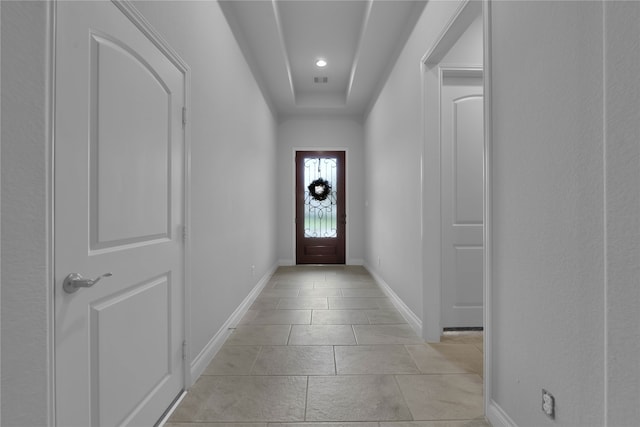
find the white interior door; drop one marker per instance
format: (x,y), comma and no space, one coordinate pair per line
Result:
(462,148)
(119,182)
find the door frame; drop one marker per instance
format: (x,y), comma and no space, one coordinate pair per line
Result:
(346,198)
(128,10)
(444,70)
(431,67)
(430,161)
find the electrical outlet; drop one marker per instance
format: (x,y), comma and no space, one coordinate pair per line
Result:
(548,404)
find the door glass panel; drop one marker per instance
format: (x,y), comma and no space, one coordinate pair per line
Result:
(320,213)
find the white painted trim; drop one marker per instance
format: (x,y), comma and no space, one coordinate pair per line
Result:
(497,416)
(346,199)
(355,261)
(202,360)
(283,47)
(488,212)
(459,22)
(363,30)
(188,245)
(50,176)
(457,25)
(286,262)
(411,318)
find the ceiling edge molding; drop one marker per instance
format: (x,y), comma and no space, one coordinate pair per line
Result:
(283,46)
(356,57)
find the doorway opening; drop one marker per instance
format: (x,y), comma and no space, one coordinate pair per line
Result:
(320,207)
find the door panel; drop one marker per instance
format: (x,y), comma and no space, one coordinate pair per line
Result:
(119,185)
(320,210)
(115,339)
(462,200)
(130,146)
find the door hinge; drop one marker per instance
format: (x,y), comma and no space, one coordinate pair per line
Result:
(184,350)
(184,117)
(184,233)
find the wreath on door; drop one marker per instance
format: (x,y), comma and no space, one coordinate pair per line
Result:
(319,189)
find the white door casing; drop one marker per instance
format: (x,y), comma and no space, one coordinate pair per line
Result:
(462,148)
(119,208)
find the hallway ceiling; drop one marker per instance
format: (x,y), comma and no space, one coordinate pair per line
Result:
(359,39)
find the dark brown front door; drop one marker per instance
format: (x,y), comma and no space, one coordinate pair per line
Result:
(320,207)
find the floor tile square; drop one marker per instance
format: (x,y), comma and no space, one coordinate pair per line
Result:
(279,293)
(303,303)
(293,285)
(295,360)
(353,303)
(442,397)
(281,317)
(462,337)
(466,357)
(243,399)
(363,293)
(356,424)
(323,292)
(322,335)
(248,317)
(230,424)
(355,398)
(476,422)
(374,359)
(265,303)
(339,317)
(233,360)
(386,334)
(385,303)
(343,284)
(385,316)
(430,361)
(259,335)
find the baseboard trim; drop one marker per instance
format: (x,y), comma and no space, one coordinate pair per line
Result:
(286,262)
(202,360)
(413,320)
(498,417)
(355,261)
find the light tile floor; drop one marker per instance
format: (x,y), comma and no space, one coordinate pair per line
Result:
(323,345)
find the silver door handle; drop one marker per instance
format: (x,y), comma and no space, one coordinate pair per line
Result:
(74,281)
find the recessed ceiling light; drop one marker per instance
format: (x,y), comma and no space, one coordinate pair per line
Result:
(321,63)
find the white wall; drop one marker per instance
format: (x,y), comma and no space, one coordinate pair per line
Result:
(233,154)
(393,151)
(622,136)
(233,149)
(321,133)
(548,288)
(566,233)
(25,262)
